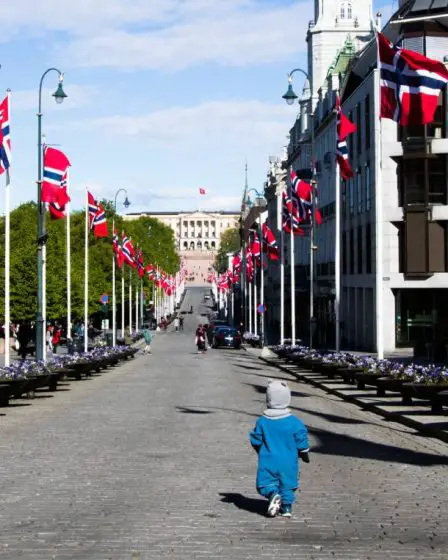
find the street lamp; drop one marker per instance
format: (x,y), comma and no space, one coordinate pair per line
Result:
(126,204)
(42,235)
(290,96)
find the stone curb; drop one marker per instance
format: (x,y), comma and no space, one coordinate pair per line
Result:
(309,377)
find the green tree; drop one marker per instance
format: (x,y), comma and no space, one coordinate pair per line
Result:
(229,243)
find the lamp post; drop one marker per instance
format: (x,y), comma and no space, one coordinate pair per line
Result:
(260,202)
(290,96)
(59,96)
(126,204)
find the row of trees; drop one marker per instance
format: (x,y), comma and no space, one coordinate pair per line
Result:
(229,243)
(155,239)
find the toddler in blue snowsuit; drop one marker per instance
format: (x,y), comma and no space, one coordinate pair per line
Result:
(279,438)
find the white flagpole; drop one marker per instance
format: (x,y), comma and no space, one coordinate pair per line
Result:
(142,318)
(136,306)
(86,276)
(293,288)
(261,286)
(114,295)
(254,306)
(122,301)
(282,268)
(7,268)
(7,255)
(250,305)
(69,265)
(337,260)
(130,301)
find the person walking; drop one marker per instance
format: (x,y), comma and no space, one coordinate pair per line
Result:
(49,337)
(176,324)
(280,439)
(147,335)
(56,338)
(24,336)
(181,323)
(200,339)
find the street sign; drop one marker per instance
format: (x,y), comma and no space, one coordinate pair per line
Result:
(104,299)
(261,308)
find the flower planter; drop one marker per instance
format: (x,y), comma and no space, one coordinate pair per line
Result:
(366,378)
(420,391)
(4,394)
(348,374)
(387,383)
(19,387)
(438,401)
(78,369)
(330,370)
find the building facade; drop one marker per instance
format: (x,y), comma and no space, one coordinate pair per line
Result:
(197,236)
(394,213)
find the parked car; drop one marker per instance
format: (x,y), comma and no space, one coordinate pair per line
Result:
(219,323)
(227,337)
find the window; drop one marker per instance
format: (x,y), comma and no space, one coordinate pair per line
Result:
(351,195)
(359,197)
(352,252)
(360,250)
(345,10)
(367,122)
(368,188)
(419,175)
(358,132)
(368,249)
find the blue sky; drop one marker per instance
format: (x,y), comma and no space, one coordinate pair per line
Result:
(165,96)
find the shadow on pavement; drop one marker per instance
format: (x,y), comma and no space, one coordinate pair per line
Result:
(330,417)
(186,410)
(349,446)
(252,505)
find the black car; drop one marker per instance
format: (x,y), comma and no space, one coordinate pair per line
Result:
(227,337)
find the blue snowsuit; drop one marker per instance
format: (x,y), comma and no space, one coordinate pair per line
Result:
(278,442)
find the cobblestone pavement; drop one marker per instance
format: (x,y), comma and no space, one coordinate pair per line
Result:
(151,460)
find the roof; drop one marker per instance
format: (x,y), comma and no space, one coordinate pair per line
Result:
(222,212)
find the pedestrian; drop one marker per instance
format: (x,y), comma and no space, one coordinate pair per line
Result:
(209,333)
(49,337)
(280,439)
(200,339)
(176,323)
(148,339)
(56,338)
(24,336)
(181,323)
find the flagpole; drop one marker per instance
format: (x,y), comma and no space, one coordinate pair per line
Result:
(250,305)
(261,285)
(141,303)
(114,295)
(282,268)
(86,276)
(130,301)
(122,301)
(136,305)
(69,265)
(254,302)
(337,260)
(7,267)
(293,286)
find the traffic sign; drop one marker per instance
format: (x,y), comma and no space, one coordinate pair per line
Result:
(104,299)
(261,308)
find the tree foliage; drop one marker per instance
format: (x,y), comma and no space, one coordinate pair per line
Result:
(230,242)
(155,239)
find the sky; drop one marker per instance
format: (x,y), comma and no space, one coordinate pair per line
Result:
(164,96)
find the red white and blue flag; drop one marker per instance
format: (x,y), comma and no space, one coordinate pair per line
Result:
(116,246)
(128,251)
(290,221)
(55,167)
(299,195)
(344,127)
(270,246)
(93,207)
(5,139)
(58,209)
(410,84)
(97,217)
(140,263)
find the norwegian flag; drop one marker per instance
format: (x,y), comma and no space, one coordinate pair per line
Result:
(116,245)
(128,251)
(5,139)
(150,272)
(270,246)
(344,127)
(140,263)
(255,247)
(249,265)
(202,191)
(290,221)
(410,84)
(304,192)
(236,267)
(58,209)
(99,224)
(55,167)
(93,208)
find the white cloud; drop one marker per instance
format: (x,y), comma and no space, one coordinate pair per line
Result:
(236,121)
(77,96)
(167,34)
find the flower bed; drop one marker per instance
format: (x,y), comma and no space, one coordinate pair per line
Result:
(251,339)
(368,370)
(24,377)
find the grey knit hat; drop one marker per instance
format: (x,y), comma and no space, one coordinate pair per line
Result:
(278,394)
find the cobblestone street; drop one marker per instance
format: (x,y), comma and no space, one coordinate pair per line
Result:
(151,460)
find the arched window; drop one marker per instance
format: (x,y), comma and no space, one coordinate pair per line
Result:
(213,244)
(345,10)
(185,244)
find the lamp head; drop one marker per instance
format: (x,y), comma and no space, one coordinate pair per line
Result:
(59,95)
(290,95)
(126,203)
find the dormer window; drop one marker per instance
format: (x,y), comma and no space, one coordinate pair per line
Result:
(345,10)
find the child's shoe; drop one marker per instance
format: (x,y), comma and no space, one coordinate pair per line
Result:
(274,505)
(286,511)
